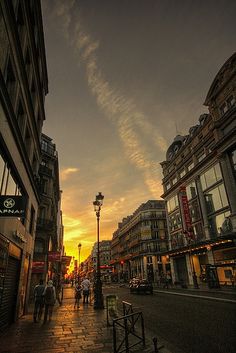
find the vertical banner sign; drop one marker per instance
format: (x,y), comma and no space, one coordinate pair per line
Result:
(186,213)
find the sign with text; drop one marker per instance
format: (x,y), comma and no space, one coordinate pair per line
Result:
(186,212)
(12,206)
(54,256)
(38,266)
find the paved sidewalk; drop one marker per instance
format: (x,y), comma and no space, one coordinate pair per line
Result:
(71,330)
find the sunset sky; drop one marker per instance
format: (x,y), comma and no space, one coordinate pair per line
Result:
(125,77)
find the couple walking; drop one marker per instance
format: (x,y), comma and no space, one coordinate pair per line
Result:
(84,288)
(44,297)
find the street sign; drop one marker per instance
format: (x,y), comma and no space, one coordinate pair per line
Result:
(38,266)
(54,256)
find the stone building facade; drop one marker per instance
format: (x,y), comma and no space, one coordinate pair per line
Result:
(105,259)
(139,242)
(23,86)
(200,190)
(48,248)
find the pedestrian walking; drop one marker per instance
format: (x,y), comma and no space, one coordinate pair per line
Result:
(58,289)
(78,295)
(86,290)
(49,300)
(38,300)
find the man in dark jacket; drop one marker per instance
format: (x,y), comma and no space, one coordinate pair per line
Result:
(38,300)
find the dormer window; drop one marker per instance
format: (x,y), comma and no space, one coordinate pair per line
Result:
(223,109)
(231,101)
(227,105)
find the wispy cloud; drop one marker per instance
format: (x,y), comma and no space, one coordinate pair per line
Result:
(65,173)
(132,125)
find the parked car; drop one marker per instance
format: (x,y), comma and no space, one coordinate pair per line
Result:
(140,286)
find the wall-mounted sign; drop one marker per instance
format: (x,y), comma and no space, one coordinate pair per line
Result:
(188,229)
(54,256)
(12,206)
(38,266)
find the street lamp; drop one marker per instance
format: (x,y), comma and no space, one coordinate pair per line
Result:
(79,249)
(98,296)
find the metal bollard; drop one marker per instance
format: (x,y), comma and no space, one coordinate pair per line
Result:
(155,344)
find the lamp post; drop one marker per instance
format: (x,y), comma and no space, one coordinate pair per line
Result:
(79,249)
(98,296)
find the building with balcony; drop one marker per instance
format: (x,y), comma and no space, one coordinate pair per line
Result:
(23,86)
(138,244)
(200,190)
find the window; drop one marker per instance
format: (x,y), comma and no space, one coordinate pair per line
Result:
(11,82)
(191,190)
(201,157)
(190,166)
(168,186)
(21,118)
(231,101)
(28,143)
(174,181)
(233,159)
(216,199)
(20,24)
(217,223)
(194,211)
(32,219)
(227,105)
(8,186)
(172,204)
(39,246)
(198,232)
(175,221)
(223,109)
(211,176)
(182,173)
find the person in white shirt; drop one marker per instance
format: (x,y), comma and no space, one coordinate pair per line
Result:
(85,284)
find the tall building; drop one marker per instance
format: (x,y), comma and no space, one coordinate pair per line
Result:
(200,190)
(105,258)
(49,232)
(23,86)
(138,243)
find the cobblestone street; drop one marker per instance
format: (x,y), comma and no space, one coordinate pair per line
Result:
(71,330)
